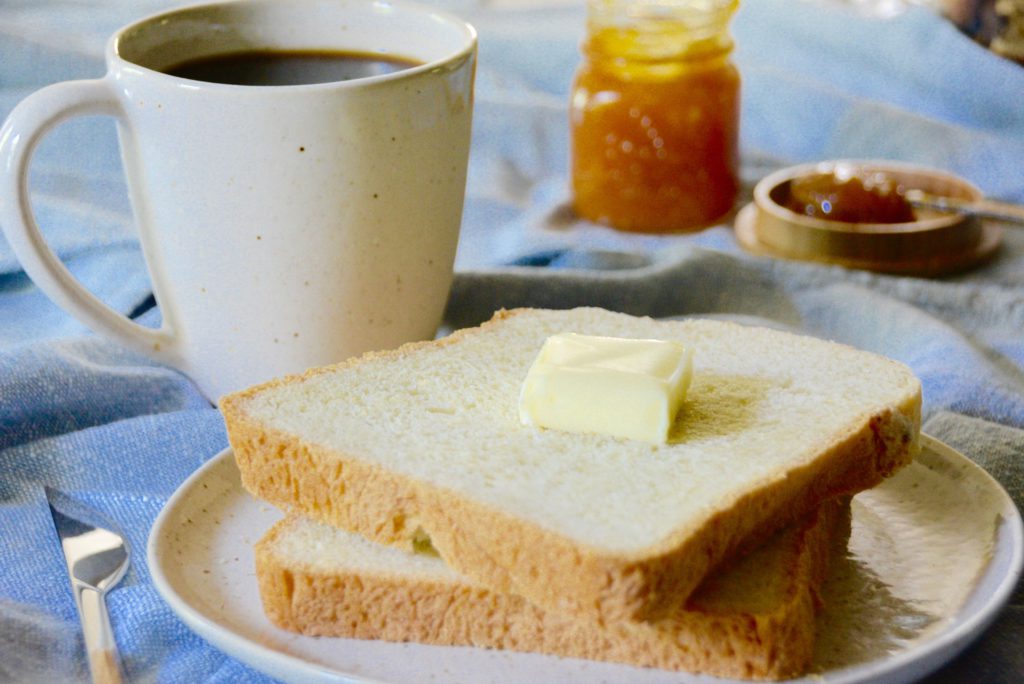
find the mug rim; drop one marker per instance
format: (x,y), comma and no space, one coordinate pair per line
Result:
(450,60)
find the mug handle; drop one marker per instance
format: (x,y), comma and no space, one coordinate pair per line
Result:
(27,124)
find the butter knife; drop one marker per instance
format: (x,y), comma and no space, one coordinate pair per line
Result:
(97,558)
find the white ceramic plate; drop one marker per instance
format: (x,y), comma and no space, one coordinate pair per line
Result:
(895,609)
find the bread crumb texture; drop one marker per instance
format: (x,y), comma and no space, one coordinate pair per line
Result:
(428,436)
(755,620)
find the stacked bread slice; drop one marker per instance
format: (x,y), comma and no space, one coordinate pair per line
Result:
(700,554)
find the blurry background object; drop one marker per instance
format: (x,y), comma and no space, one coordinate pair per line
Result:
(655,111)
(996,24)
(1009,41)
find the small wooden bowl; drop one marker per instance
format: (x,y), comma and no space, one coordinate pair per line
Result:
(935,244)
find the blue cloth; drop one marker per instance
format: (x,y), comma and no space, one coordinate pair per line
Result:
(121,432)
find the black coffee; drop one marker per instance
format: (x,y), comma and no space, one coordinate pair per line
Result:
(282,68)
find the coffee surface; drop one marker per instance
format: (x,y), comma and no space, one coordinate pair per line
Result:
(282,68)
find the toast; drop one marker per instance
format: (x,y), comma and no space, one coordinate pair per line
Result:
(425,441)
(755,620)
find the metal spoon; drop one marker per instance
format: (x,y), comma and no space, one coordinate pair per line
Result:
(984,208)
(97,558)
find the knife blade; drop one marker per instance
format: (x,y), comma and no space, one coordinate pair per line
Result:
(97,557)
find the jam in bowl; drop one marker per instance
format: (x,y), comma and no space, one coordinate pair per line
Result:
(855,214)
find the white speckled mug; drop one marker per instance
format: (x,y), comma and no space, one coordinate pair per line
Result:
(284,226)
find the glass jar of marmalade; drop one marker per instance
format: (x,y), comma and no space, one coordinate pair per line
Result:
(654,115)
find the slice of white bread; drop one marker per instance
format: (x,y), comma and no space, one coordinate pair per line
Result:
(754,619)
(427,438)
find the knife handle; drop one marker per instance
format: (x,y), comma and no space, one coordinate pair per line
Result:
(100,646)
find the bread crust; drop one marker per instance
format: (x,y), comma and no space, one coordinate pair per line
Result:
(764,643)
(510,555)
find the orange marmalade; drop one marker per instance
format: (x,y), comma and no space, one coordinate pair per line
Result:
(655,115)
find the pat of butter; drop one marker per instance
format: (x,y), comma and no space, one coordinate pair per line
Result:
(622,387)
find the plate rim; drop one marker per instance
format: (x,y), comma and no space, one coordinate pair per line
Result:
(241,648)
(950,642)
